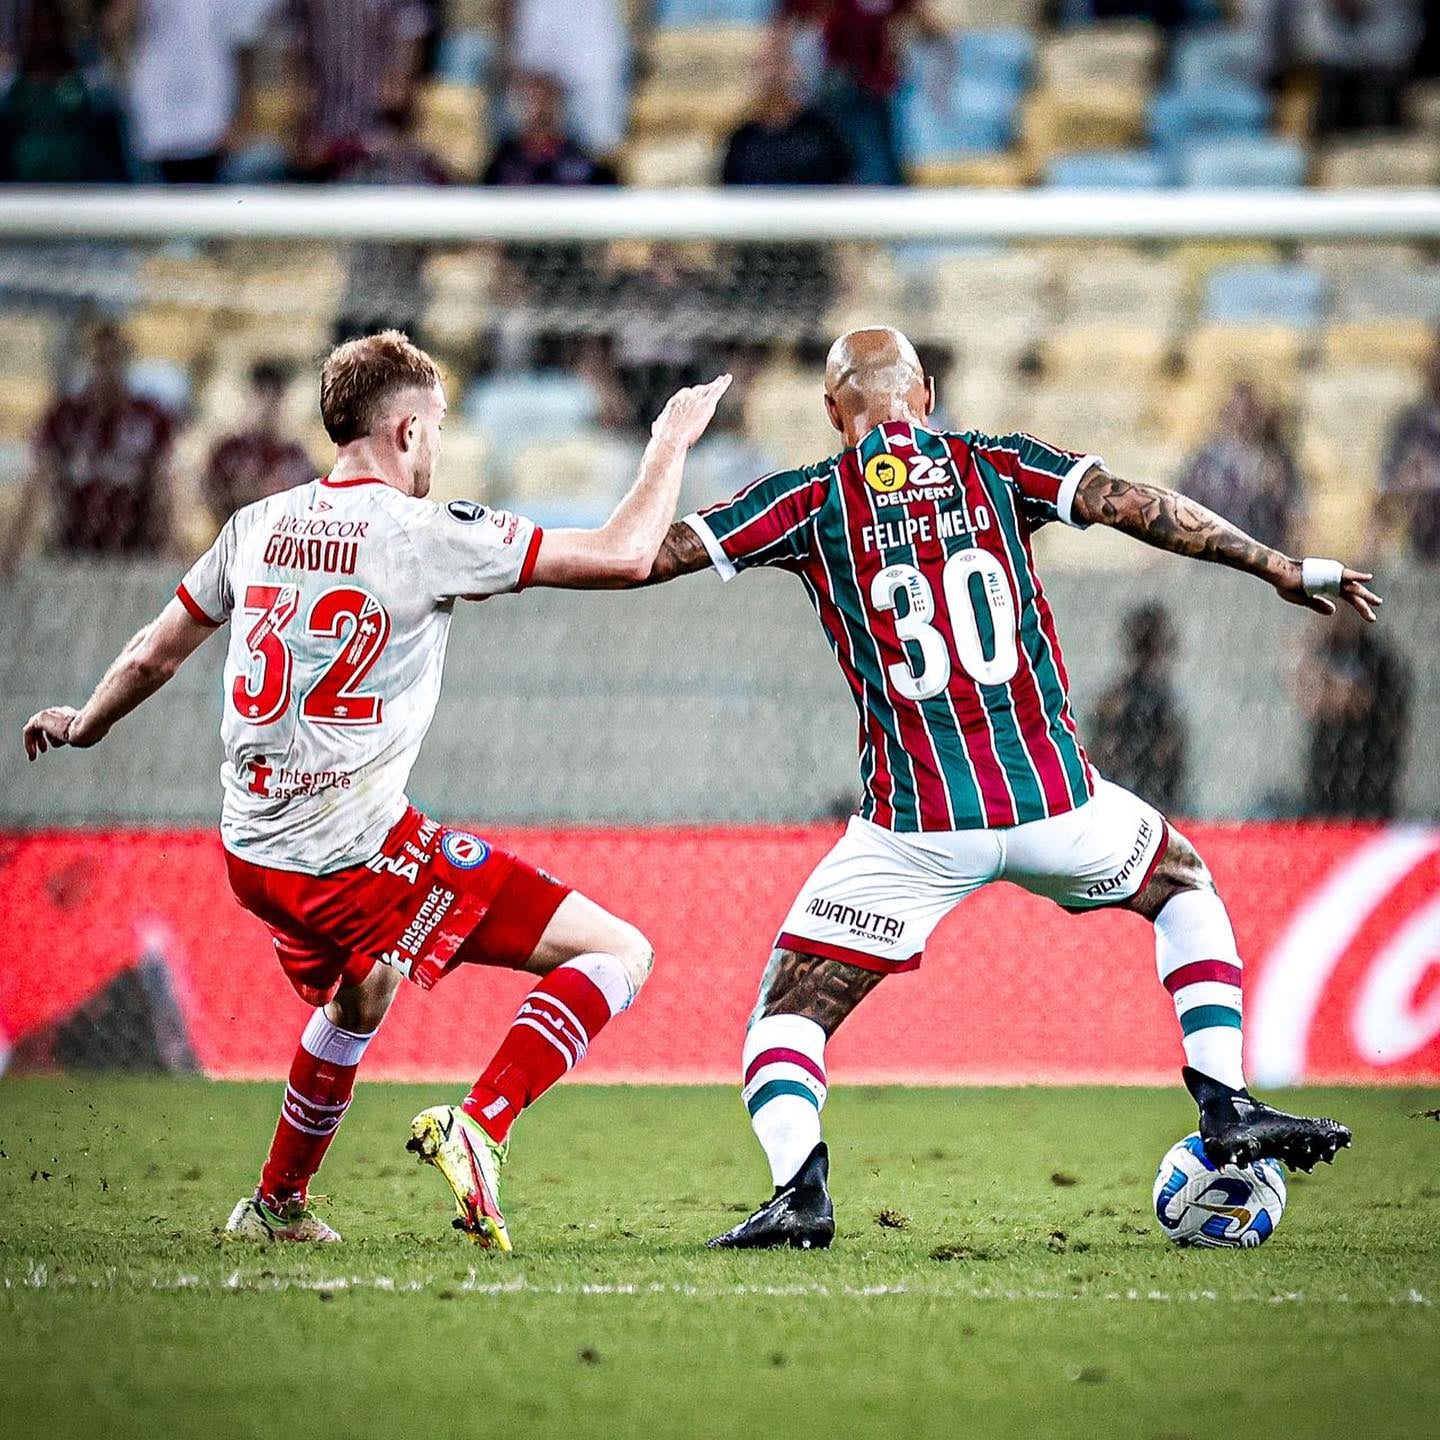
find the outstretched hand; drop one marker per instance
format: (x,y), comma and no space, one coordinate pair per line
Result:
(49,727)
(689,411)
(1353,591)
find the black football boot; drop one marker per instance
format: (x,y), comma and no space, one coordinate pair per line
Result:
(1237,1129)
(799,1214)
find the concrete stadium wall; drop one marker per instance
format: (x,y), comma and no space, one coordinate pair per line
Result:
(691,702)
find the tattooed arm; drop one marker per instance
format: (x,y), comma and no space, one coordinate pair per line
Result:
(681,553)
(1171,521)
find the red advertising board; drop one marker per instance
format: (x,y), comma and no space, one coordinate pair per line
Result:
(1339,927)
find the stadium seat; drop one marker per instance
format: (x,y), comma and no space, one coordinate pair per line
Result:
(784,416)
(1099,117)
(1004,172)
(23,401)
(454,126)
(165,382)
(1002,302)
(1422,106)
(1267,355)
(463,57)
(665,164)
(979,119)
(1380,161)
(571,481)
(1108,170)
(463,473)
(1407,291)
(1202,58)
(1290,295)
(673,13)
(1180,116)
(1121,53)
(1124,352)
(1246,162)
(179,333)
(1346,413)
(1003,56)
(1103,285)
(27,344)
(1395,341)
(539,406)
(958,15)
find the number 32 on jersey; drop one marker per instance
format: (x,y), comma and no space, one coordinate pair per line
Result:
(352,616)
(982,618)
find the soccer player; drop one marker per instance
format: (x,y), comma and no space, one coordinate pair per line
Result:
(914,548)
(339,595)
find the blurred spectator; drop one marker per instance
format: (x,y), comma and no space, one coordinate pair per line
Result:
(1247,472)
(259,460)
(58,123)
(1409,498)
(1137,733)
(785,142)
(385,285)
(1168,14)
(1355,692)
(541,151)
(862,42)
(101,464)
(662,310)
(585,45)
(1361,50)
(188,69)
(358,60)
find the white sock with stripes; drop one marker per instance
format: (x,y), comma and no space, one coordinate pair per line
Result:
(1199,965)
(784,1089)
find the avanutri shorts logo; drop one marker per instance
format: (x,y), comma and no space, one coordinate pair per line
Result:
(886,473)
(468,512)
(464,851)
(1111,883)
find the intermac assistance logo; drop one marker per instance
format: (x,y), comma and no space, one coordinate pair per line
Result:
(886,473)
(464,851)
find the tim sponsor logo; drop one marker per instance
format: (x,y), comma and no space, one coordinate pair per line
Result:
(1111,883)
(869,924)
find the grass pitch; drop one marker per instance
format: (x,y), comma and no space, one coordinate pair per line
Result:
(996,1274)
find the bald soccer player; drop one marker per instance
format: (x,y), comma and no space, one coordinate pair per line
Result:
(913,545)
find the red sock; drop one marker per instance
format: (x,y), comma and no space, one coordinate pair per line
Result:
(556,1023)
(322,1080)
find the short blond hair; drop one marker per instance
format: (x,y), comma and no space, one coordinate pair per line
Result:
(359,376)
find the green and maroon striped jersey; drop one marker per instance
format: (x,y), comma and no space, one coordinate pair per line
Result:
(914,547)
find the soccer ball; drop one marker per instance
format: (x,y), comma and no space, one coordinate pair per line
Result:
(1234,1205)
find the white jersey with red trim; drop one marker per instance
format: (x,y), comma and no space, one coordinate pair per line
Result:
(340,595)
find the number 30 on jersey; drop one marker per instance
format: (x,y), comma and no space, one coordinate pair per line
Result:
(981,610)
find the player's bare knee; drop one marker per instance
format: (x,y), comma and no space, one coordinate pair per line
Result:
(631,948)
(1179,870)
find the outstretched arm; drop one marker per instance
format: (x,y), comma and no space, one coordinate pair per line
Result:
(1171,521)
(142,667)
(622,552)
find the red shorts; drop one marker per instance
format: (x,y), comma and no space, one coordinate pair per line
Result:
(431,899)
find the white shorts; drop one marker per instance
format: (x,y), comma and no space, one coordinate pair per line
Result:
(874,900)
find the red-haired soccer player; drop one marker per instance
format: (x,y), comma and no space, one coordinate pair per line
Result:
(339,596)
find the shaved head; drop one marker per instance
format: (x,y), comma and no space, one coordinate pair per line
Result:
(874,375)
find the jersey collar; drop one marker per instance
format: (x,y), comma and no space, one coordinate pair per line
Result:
(354,480)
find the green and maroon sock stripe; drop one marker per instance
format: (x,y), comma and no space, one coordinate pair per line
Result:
(781,1056)
(1223,972)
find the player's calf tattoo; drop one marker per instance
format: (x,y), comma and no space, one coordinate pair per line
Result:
(825,991)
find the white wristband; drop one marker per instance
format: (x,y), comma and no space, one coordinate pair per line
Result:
(1321,577)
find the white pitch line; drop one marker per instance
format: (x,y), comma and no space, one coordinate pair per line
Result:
(38,1277)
